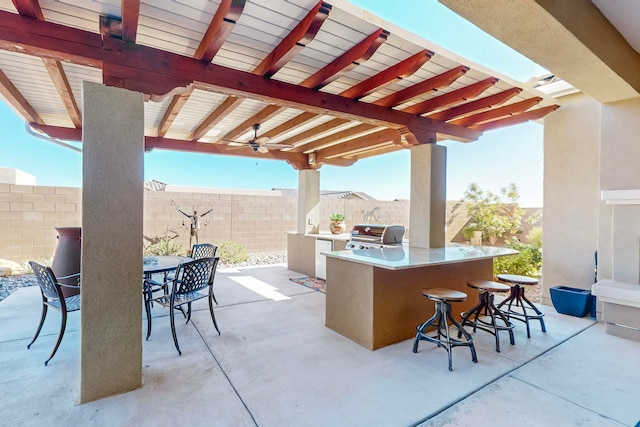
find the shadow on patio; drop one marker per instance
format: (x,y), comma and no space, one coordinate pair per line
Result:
(275,364)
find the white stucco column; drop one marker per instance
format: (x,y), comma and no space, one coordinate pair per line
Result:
(112,210)
(308,201)
(428,196)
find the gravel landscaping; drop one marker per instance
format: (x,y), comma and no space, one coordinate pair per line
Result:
(9,284)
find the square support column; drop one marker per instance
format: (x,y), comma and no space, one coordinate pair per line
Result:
(308,201)
(112,220)
(427,212)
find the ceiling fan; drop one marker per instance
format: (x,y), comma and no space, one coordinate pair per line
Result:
(262,144)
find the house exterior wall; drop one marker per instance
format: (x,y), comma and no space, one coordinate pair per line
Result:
(619,171)
(589,148)
(571,194)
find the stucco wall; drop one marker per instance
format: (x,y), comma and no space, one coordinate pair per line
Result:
(571,193)
(620,224)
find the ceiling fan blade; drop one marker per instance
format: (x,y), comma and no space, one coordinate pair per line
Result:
(262,140)
(276,145)
(263,149)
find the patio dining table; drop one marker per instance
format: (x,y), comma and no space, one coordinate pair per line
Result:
(161,264)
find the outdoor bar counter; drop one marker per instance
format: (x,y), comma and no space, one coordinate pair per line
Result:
(374,298)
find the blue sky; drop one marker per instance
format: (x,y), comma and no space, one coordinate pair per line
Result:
(513,154)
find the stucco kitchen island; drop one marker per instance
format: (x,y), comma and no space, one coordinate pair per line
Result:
(374,298)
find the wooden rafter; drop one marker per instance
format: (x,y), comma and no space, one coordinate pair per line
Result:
(362,143)
(518,118)
(30,8)
(130,13)
(172,111)
(219,29)
(452,97)
(290,46)
(313,132)
(398,71)
(347,61)
(221,111)
(57,74)
(298,120)
(498,113)
(442,80)
(477,105)
(153,71)
(58,132)
(375,152)
(19,103)
(295,41)
(264,115)
(335,138)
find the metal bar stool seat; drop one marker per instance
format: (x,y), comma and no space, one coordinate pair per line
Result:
(485,307)
(518,306)
(441,319)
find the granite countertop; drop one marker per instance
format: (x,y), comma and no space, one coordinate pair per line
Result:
(326,235)
(410,257)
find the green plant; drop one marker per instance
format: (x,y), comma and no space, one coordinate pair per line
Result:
(165,246)
(337,217)
(231,252)
(497,215)
(470,229)
(527,262)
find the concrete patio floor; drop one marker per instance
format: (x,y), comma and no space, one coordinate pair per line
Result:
(276,364)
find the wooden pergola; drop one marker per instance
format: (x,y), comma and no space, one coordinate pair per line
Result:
(322,81)
(327,83)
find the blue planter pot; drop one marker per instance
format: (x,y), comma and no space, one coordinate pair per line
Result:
(571,301)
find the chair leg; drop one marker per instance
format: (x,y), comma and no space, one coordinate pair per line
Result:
(63,325)
(188,312)
(173,329)
(147,307)
(44,314)
(213,316)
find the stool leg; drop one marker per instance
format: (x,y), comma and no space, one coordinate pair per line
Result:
(537,311)
(466,334)
(424,326)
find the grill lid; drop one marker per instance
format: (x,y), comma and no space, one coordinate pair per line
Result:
(377,233)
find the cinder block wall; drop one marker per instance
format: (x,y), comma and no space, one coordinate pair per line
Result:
(28,215)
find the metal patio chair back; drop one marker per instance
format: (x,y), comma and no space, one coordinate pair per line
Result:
(191,279)
(203,250)
(52,296)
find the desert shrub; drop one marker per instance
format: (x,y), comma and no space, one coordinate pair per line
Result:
(527,262)
(165,246)
(231,252)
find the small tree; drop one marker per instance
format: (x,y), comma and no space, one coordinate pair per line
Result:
(497,215)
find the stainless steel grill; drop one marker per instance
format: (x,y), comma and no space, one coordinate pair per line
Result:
(374,236)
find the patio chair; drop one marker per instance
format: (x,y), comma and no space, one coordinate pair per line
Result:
(52,296)
(204,250)
(191,278)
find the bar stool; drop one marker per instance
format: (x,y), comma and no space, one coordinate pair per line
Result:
(485,307)
(518,301)
(443,298)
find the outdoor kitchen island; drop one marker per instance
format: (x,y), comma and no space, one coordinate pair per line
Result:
(374,298)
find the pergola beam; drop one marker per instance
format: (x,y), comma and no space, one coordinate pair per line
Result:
(498,113)
(156,72)
(295,41)
(19,102)
(434,83)
(477,105)
(518,118)
(347,61)
(398,71)
(467,92)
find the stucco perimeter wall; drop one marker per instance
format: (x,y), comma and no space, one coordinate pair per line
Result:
(571,193)
(28,215)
